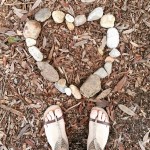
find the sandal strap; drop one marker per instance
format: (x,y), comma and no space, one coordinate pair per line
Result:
(101,122)
(52,121)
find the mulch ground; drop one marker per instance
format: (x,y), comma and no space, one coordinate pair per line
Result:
(24,94)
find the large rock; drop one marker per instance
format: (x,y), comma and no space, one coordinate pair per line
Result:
(48,71)
(43,14)
(112,37)
(91,86)
(32,29)
(30,42)
(114,53)
(75,91)
(101,72)
(61,85)
(96,14)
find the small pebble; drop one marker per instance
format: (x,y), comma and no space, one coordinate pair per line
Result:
(30,42)
(114,53)
(43,14)
(70,25)
(61,85)
(101,72)
(69,18)
(109,59)
(32,29)
(107,21)
(68,91)
(91,86)
(112,37)
(108,67)
(75,91)
(80,20)
(35,53)
(96,14)
(58,16)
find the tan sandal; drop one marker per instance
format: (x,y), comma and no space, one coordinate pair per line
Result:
(98,129)
(55,128)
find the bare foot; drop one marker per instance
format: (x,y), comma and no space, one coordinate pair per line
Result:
(98,129)
(55,128)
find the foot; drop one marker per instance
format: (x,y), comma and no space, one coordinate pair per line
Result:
(55,128)
(98,129)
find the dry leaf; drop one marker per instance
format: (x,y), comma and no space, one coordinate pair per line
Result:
(36,4)
(102,103)
(146,137)
(104,94)
(146,23)
(2,2)
(101,48)
(126,110)
(80,43)
(120,84)
(141,145)
(128,31)
(134,44)
(44,42)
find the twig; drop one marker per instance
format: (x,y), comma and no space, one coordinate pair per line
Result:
(17,4)
(73,107)
(16,112)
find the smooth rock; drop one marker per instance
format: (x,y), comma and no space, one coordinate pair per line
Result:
(32,29)
(30,42)
(87,1)
(80,20)
(60,85)
(114,53)
(58,16)
(75,91)
(91,86)
(112,37)
(48,72)
(109,59)
(108,67)
(70,25)
(96,14)
(107,21)
(35,53)
(101,72)
(69,18)
(43,14)
(68,91)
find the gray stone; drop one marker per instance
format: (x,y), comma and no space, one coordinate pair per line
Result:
(101,72)
(48,72)
(43,14)
(91,86)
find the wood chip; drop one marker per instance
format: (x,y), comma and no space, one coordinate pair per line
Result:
(126,110)
(120,84)
(104,94)
(16,112)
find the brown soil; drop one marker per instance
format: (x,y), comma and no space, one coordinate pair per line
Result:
(23,89)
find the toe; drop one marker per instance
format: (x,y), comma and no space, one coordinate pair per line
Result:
(51,114)
(93,114)
(58,113)
(100,116)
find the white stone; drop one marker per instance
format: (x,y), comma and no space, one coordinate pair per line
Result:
(96,14)
(101,72)
(70,25)
(69,18)
(58,16)
(30,42)
(80,20)
(32,29)
(107,21)
(61,85)
(87,1)
(112,37)
(75,91)
(35,53)
(43,14)
(114,53)
(68,91)
(108,67)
